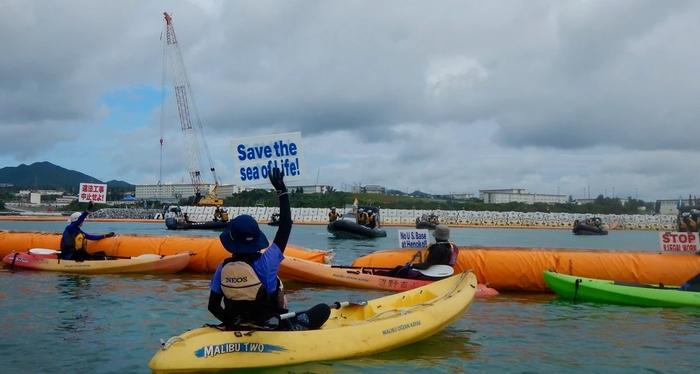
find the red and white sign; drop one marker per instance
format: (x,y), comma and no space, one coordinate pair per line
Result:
(678,241)
(92,192)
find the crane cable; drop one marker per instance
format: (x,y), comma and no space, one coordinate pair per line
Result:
(162,107)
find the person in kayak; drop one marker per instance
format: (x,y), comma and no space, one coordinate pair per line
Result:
(74,239)
(442,252)
(253,295)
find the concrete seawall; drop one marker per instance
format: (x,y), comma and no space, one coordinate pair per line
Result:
(406,217)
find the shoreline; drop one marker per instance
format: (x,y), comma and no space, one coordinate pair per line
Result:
(162,222)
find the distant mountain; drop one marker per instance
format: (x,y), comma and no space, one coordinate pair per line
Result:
(120,185)
(420,194)
(47,175)
(395,192)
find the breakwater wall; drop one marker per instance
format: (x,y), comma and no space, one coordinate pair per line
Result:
(121,213)
(407,217)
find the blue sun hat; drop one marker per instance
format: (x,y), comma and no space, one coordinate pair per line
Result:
(243,235)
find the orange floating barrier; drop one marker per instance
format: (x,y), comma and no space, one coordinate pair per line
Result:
(208,250)
(521,269)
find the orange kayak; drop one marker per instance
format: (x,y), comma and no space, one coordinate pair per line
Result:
(358,277)
(148,263)
(208,250)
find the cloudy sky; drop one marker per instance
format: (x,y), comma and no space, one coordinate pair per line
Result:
(448,96)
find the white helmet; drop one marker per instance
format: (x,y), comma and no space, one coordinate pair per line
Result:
(74,217)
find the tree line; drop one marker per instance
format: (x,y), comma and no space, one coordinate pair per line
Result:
(601,205)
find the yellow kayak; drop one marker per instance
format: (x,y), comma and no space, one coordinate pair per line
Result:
(356,330)
(148,263)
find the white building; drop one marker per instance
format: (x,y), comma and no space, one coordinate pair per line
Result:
(65,200)
(457,196)
(519,195)
(668,207)
(316,188)
(25,193)
(181,191)
(582,201)
(35,198)
(370,188)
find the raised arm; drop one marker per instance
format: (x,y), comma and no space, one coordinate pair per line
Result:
(76,224)
(285,220)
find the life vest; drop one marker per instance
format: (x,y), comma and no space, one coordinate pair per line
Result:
(332,216)
(245,295)
(74,242)
(442,253)
(239,281)
(363,218)
(80,242)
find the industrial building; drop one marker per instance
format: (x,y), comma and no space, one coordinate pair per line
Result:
(181,191)
(519,195)
(370,188)
(315,188)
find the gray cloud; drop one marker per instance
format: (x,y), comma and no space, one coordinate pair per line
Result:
(473,95)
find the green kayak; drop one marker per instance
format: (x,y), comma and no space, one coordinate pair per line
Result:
(622,293)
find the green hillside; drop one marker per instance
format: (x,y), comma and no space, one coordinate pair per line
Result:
(46,175)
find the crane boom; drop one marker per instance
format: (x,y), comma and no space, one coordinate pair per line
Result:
(186,110)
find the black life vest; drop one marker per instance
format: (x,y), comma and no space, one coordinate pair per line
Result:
(245,297)
(442,253)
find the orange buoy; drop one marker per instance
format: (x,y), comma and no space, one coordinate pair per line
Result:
(521,269)
(208,250)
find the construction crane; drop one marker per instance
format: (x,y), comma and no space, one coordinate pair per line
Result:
(186,109)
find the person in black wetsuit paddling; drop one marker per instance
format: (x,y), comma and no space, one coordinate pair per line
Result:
(74,240)
(247,282)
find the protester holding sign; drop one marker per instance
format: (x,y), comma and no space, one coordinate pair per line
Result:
(247,282)
(442,252)
(74,239)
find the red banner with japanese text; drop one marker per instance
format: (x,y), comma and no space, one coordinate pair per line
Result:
(94,192)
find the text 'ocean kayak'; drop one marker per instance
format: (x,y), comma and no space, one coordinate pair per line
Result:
(380,325)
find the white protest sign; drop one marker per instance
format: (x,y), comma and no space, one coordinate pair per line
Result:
(94,192)
(254,158)
(413,238)
(678,241)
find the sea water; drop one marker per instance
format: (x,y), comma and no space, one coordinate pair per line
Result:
(52,322)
